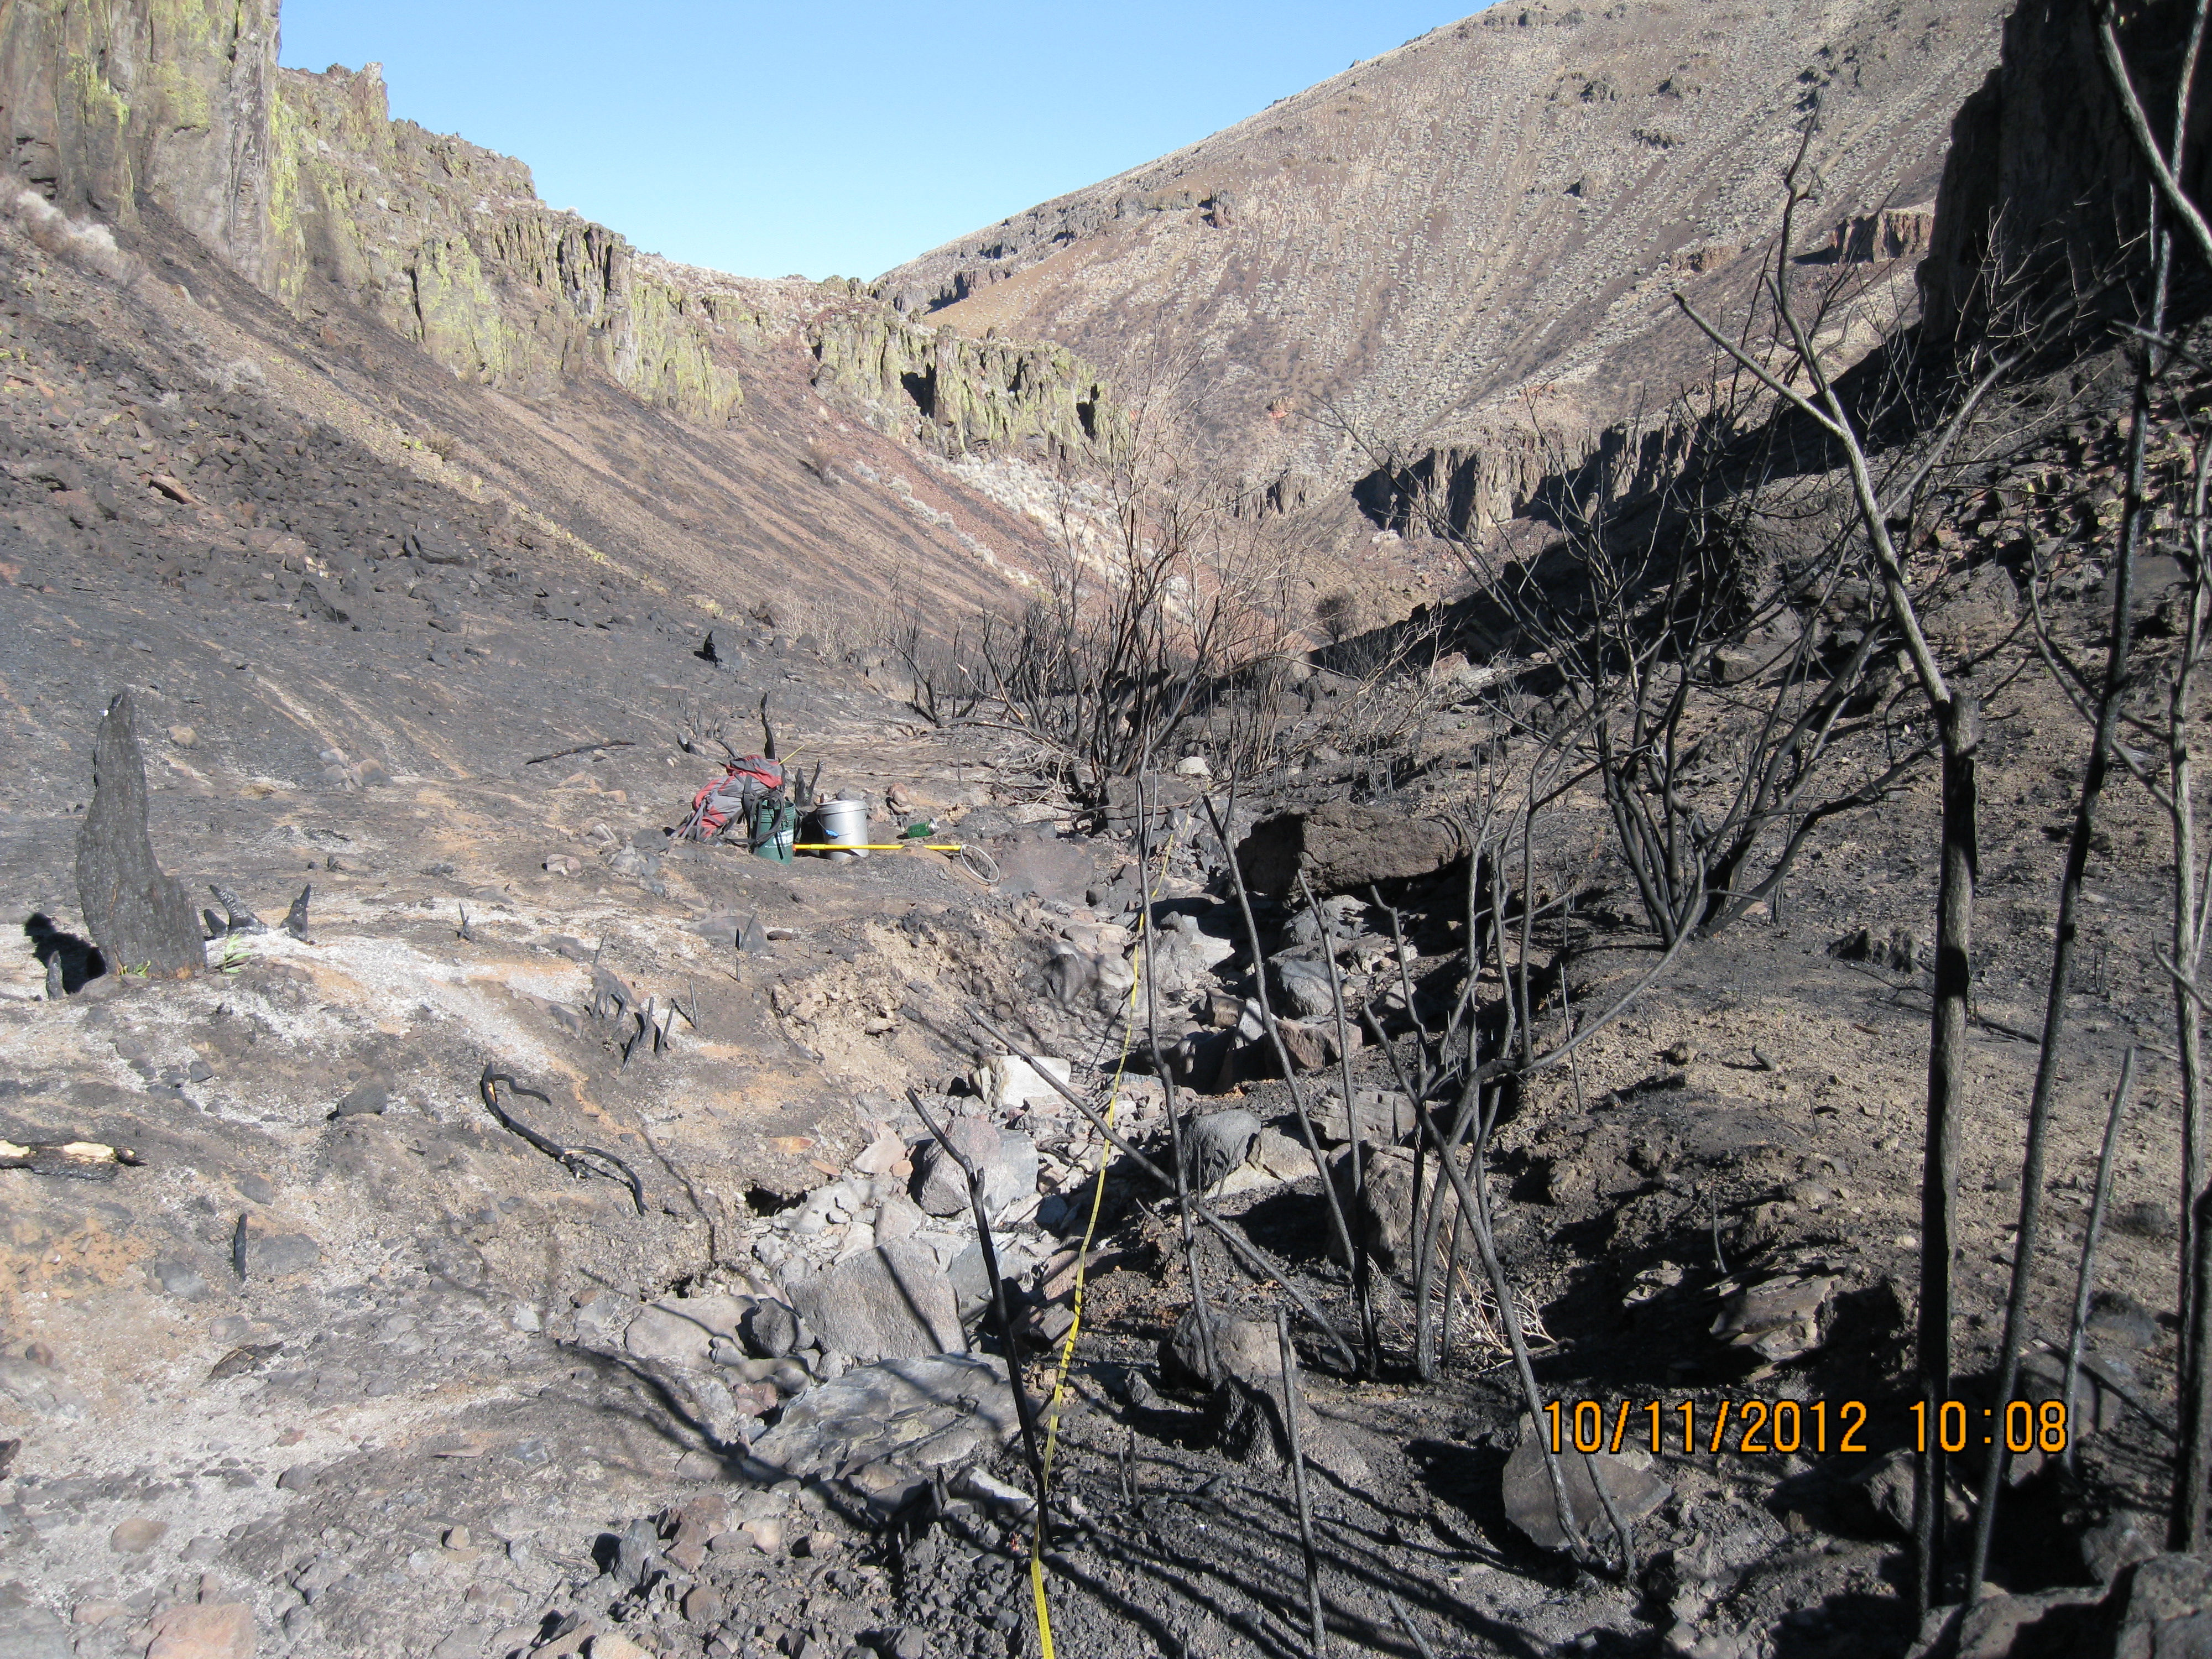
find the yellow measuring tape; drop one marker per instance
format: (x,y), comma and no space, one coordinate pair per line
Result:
(1082,1262)
(879,846)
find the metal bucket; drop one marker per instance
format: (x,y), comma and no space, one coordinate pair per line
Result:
(845,822)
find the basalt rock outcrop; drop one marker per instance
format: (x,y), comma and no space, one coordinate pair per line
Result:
(962,393)
(447,243)
(2043,180)
(304,184)
(169,102)
(138,914)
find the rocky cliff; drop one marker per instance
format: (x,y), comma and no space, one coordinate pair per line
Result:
(108,101)
(1471,244)
(305,184)
(964,394)
(448,245)
(2042,177)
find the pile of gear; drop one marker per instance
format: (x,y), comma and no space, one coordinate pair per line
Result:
(758,800)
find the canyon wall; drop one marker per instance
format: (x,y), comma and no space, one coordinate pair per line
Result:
(447,243)
(108,102)
(2043,180)
(963,394)
(304,184)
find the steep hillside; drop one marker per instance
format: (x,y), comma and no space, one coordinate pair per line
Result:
(1474,239)
(411,289)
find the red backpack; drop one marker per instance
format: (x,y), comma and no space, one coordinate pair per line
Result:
(726,797)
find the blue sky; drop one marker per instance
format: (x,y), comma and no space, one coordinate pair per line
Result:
(826,139)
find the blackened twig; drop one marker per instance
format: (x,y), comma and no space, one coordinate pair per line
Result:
(1473,1204)
(581,748)
(1412,1631)
(238,1247)
(577,1160)
(2086,1276)
(1289,1364)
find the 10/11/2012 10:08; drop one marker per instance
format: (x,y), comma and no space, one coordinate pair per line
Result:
(1755,1426)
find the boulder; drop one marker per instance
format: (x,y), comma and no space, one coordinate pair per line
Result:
(1384,1209)
(770,1330)
(2162,1608)
(1382,1116)
(138,916)
(1217,1144)
(2048,1622)
(1244,1347)
(1531,1505)
(1008,1161)
(2120,1541)
(1086,981)
(1247,1421)
(1888,1483)
(1007,1083)
(1301,987)
(1341,848)
(882,1429)
(890,1302)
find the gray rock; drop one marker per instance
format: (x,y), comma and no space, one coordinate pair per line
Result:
(2162,1609)
(1247,1424)
(1215,1145)
(770,1330)
(29,1632)
(38,1389)
(1301,987)
(940,1187)
(2117,1543)
(368,1097)
(1384,1116)
(1087,980)
(271,1255)
(637,1555)
(138,916)
(180,1279)
(1245,1348)
(310,602)
(681,1330)
(1341,848)
(883,1428)
(603,1317)
(1888,1483)
(1384,1211)
(898,1216)
(1531,1506)
(890,1302)
(2049,1621)
(1008,1161)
